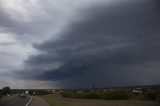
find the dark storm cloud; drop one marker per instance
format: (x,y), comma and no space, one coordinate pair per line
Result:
(110,45)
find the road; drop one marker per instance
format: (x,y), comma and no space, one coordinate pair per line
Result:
(37,101)
(14,101)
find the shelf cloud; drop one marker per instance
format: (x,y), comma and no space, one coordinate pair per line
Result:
(80,43)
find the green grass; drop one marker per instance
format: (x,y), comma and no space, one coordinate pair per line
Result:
(54,101)
(60,101)
(6,97)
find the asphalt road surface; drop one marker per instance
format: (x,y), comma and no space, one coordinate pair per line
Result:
(14,101)
(37,101)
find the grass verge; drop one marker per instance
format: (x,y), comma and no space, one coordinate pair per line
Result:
(60,101)
(55,101)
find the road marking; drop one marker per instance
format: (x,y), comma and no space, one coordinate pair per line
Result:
(29,102)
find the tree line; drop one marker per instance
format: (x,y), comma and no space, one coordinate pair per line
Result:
(5,91)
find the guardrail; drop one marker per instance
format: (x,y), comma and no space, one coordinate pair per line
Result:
(29,102)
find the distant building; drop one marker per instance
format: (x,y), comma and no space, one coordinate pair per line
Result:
(34,93)
(56,91)
(137,91)
(27,92)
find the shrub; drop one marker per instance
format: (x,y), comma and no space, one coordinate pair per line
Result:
(6,90)
(108,95)
(150,96)
(116,95)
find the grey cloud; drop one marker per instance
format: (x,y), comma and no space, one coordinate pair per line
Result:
(8,43)
(33,23)
(109,46)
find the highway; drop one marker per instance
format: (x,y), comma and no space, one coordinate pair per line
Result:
(17,101)
(14,101)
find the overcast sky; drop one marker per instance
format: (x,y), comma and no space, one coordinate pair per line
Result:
(77,43)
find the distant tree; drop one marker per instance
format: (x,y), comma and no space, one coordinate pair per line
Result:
(56,90)
(0,93)
(6,90)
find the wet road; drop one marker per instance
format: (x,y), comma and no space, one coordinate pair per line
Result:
(14,101)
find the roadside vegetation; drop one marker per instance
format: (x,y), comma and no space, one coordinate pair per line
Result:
(5,91)
(107,95)
(117,94)
(55,100)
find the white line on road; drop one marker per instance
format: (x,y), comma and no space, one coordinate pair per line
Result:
(29,102)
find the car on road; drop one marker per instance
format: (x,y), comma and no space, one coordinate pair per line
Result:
(21,95)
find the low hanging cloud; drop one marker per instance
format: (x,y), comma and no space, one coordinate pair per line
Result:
(115,45)
(23,23)
(79,42)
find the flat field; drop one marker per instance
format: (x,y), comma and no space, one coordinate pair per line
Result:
(60,101)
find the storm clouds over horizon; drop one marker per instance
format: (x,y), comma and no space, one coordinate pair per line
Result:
(77,43)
